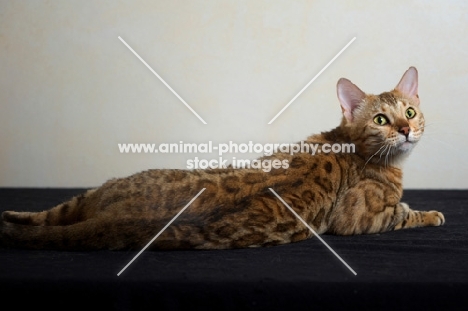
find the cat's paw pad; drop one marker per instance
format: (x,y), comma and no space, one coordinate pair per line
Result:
(436,218)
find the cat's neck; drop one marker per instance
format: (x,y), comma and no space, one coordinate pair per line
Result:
(342,135)
(336,135)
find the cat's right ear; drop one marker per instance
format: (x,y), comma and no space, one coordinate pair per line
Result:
(408,84)
(350,97)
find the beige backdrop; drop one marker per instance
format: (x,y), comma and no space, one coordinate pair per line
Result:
(70,90)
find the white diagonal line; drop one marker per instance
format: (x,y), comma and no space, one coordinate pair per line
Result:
(315,233)
(162,80)
(162,230)
(313,79)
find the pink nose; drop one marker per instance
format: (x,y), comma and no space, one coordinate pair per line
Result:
(404,130)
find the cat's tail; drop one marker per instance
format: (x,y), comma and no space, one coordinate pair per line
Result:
(66,213)
(81,236)
(91,234)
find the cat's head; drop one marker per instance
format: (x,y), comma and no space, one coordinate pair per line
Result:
(384,127)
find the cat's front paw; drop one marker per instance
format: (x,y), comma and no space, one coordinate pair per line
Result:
(435,218)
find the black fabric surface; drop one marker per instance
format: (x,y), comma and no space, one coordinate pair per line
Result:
(423,268)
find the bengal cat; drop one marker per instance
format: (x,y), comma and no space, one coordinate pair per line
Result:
(337,193)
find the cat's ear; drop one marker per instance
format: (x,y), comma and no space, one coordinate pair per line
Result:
(350,97)
(408,84)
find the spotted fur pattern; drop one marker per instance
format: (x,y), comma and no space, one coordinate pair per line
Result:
(341,194)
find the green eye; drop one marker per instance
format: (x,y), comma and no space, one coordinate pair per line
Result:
(380,120)
(410,113)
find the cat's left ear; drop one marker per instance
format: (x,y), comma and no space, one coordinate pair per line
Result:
(408,84)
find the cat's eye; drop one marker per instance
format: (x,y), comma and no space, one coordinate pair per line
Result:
(410,113)
(380,119)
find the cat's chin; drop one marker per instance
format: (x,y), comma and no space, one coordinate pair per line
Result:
(402,151)
(405,147)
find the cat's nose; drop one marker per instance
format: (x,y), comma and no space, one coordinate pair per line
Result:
(404,130)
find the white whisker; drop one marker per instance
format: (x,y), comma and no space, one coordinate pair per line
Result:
(372,157)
